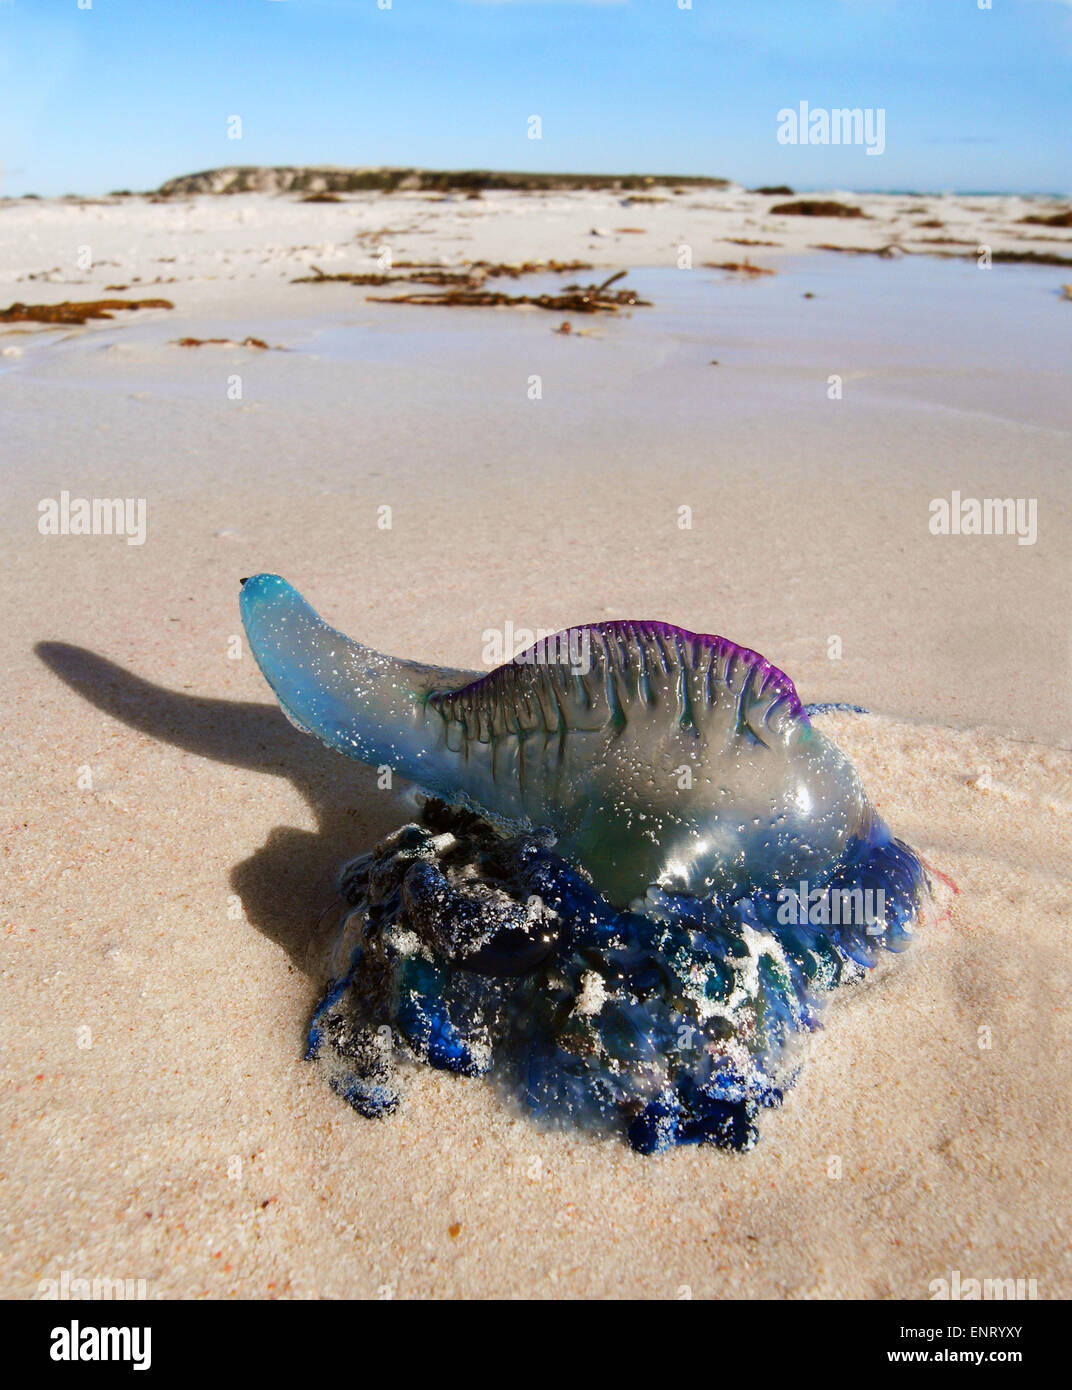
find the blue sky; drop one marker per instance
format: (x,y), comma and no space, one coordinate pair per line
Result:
(127,93)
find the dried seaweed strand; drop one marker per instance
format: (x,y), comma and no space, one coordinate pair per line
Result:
(76,311)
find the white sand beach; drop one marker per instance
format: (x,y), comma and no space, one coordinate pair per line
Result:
(171,842)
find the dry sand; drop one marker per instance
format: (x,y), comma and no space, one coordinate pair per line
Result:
(161,945)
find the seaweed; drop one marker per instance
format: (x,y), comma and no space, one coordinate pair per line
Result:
(1029,258)
(738,267)
(996,257)
(73,312)
(471,276)
(226,342)
(515,269)
(375,278)
(576,299)
(886,252)
(467,285)
(1058,219)
(818,207)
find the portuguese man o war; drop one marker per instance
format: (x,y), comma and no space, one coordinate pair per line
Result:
(638,871)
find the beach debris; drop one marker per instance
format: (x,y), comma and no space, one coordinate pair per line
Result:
(258,343)
(76,311)
(751,241)
(321,198)
(1029,258)
(818,207)
(372,278)
(888,253)
(493,270)
(1067,291)
(648,959)
(893,250)
(471,275)
(744,267)
(576,299)
(632,231)
(1057,219)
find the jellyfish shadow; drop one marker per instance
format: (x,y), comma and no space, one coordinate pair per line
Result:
(288,886)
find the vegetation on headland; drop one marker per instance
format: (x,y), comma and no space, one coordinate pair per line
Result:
(320,180)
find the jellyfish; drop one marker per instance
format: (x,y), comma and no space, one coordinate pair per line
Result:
(638,870)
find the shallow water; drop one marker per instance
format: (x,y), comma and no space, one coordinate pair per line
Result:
(923,328)
(920,328)
(810,515)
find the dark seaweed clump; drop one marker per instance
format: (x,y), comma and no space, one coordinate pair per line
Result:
(818,207)
(483,953)
(76,311)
